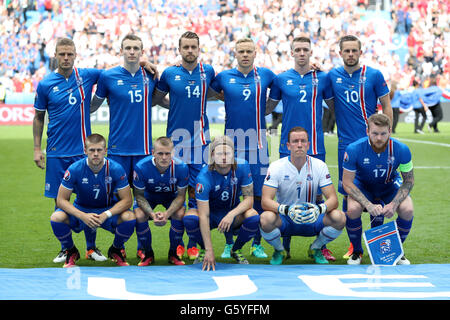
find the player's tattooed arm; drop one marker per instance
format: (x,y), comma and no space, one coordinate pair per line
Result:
(247,191)
(141,201)
(405,188)
(357,195)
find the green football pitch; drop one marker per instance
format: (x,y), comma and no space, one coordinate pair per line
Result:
(27,241)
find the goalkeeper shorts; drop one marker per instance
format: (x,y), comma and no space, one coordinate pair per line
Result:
(290,228)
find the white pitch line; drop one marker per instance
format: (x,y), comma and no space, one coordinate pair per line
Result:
(415,167)
(426,142)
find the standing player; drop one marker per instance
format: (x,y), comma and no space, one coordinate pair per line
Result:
(187,124)
(245,93)
(302,90)
(65,95)
(160,179)
(96,181)
(128,90)
(357,89)
(370,176)
(218,189)
(294,180)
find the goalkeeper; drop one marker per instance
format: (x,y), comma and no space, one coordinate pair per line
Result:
(294,180)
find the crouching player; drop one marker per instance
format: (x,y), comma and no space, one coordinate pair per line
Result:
(160,179)
(370,177)
(295,180)
(218,190)
(97,182)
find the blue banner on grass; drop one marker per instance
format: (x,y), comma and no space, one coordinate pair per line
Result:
(384,244)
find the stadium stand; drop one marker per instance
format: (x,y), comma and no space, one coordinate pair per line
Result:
(404,39)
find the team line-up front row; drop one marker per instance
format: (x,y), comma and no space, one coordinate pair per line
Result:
(224,198)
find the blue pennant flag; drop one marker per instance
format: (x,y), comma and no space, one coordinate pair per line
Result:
(384,244)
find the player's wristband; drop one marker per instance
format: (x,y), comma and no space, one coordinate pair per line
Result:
(323,208)
(108,213)
(283,209)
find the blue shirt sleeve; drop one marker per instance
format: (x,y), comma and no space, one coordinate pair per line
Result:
(381,88)
(328,91)
(216,83)
(138,178)
(41,99)
(275,91)
(69,178)
(119,176)
(182,176)
(244,174)
(162,84)
(102,89)
(350,156)
(203,186)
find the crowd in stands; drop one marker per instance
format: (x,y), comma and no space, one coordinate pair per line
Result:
(29,29)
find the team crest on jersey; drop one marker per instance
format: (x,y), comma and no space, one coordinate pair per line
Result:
(391,160)
(233,180)
(66,175)
(202,76)
(79,81)
(199,188)
(362,79)
(315,82)
(173,180)
(108,179)
(309,177)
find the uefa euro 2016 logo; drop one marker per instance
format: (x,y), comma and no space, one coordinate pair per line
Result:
(385,246)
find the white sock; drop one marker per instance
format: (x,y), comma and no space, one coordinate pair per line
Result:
(327,234)
(273,238)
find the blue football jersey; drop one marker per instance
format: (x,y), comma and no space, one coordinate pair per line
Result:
(130,110)
(355,99)
(302,97)
(222,192)
(67,102)
(375,172)
(245,105)
(188,121)
(95,190)
(156,184)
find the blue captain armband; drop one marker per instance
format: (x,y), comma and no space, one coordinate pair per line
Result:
(406,167)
